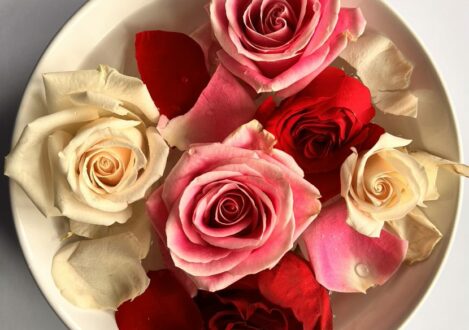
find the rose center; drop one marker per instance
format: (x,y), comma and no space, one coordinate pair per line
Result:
(230,208)
(106,167)
(278,16)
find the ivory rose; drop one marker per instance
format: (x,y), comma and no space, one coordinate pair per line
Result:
(95,153)
(231,209)
(382,184)
(281,45)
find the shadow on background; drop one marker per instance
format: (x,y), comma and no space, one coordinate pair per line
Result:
(26,28)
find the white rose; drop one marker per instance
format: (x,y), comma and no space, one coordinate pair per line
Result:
(382,184)
(95,153)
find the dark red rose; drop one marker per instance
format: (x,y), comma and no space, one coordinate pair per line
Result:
(287,297)
(165,305)
(319,125)
(284,298)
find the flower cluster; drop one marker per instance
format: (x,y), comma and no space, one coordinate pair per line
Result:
(260,203)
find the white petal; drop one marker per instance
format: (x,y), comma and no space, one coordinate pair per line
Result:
(138,224)
(432,164)
(27,163)
(385,71)
(419,231)
(158,152)
(100,273)
(402,103)
(104,80)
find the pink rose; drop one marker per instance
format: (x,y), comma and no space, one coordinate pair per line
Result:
(282,45)
(231,209)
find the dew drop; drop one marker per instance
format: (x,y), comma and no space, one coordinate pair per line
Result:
(362,270)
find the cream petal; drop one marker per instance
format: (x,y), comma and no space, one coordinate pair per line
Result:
(27,162)
(138,224)
(432,164)
(362,222)
(155,166)
(100,273)
(385,71)
(402,103)
(419,231)
(66,201)
(104,80)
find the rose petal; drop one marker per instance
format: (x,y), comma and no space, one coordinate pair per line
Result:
(385,71)
(251,136)
(432,164)
(345,260)
(27,163)
(160,307)
(203,35)
(173,67)
(223,98)
(419,231)
(106,81)
(292,284)
(100,273)
(138,224)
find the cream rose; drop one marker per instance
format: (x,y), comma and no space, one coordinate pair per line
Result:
(381,185)
(95,153)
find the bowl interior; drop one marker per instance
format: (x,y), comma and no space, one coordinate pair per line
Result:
(103,32)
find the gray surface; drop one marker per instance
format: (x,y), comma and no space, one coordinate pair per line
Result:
(27,26)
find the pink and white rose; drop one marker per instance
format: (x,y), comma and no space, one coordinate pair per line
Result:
(231,209)
(281,45)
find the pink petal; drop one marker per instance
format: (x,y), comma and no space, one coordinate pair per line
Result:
(251,136)
(347,261)
(191,162)
(261,83)
(334,48)
(223,106)
(263,258)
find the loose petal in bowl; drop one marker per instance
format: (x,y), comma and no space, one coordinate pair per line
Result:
(223,106)
(100,273)
(419,231)
(345,260)
(385,71)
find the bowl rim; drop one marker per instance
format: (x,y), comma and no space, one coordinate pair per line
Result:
(76,16)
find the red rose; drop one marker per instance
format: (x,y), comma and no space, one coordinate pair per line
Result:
(285,297)
(319,125)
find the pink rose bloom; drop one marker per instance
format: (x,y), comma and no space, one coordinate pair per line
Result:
(231,209)
(282,45)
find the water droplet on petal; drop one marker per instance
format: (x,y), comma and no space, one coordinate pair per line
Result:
(362,270)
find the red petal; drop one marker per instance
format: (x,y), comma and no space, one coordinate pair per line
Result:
(344,91)
(165,305)
(172,65)
(291,284)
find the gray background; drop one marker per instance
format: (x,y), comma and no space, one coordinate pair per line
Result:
(26,28)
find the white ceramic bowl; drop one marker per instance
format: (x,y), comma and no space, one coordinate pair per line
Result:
(103,32)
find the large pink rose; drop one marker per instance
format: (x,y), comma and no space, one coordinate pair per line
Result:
(231,209)
(282,45)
